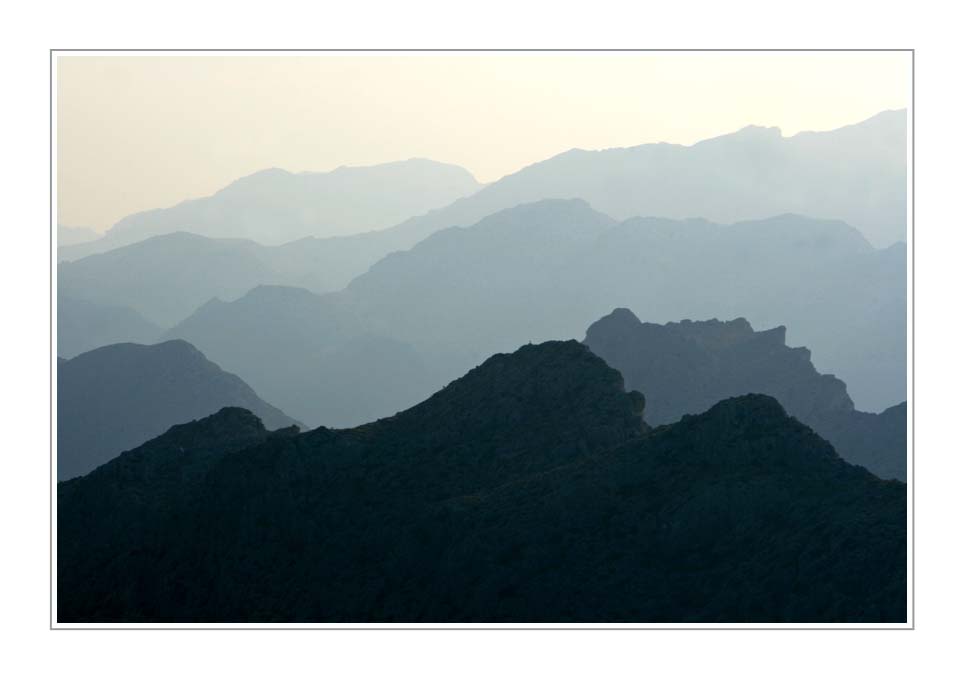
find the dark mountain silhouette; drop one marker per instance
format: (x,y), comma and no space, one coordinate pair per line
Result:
(275,206)
(83,326)
(117,397)
(686,367)
(530,490)
(311,355)
(548,270)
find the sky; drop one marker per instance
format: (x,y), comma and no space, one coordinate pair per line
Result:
(142,132)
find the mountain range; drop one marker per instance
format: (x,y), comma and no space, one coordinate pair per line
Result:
(857,174)
(548,270)
(685,368)
(275,206)
(530,490)
(115,398)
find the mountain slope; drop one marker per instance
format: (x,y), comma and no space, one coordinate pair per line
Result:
(528,491)
(311,355)
(83,326)
(117,397)
(687,367)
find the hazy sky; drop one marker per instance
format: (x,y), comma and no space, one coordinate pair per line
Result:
(139,132)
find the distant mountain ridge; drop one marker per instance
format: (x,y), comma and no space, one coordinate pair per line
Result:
(529,490)
(115,398)
(275,206)
(857,173)
(686,367)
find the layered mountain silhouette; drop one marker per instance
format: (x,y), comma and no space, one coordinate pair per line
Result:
(117,397)
(857,174)
(275,206)
(685,368)
(530,490)
(548,270)
(166,278)
(83,326)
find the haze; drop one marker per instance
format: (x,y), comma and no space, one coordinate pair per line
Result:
(136,133)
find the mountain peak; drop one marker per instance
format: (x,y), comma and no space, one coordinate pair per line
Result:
(558,390)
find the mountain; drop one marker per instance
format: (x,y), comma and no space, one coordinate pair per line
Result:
(275,206)
(72,236)
(311,355)
(857,174)
(548,270)
(166,278)
(117,397)
(686,367)
(83,326)
(529,490)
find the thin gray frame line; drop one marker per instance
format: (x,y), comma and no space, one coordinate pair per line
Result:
(491,49)
(913,374)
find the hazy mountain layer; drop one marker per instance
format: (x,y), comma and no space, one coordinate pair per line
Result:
(83,326)
(117,397)
(857,174)
(166,278)
(311,355)
(689,366)
(71,236)
(275,206)
(528,491)
(548,270)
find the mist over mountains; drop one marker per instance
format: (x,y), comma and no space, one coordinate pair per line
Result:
(686,368)
(530,490)
(468,463)
(856,174)
(117,397)
(548,270)
(275,206)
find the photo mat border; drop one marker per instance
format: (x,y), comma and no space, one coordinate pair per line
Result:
(910,624)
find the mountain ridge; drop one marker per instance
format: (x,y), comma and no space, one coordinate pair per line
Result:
(572,512)
(116,397)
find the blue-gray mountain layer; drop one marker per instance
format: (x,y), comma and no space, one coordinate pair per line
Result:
(117,397)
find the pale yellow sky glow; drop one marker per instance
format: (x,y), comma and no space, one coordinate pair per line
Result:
(140,132)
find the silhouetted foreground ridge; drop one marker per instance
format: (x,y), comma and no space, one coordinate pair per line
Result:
(530,490)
